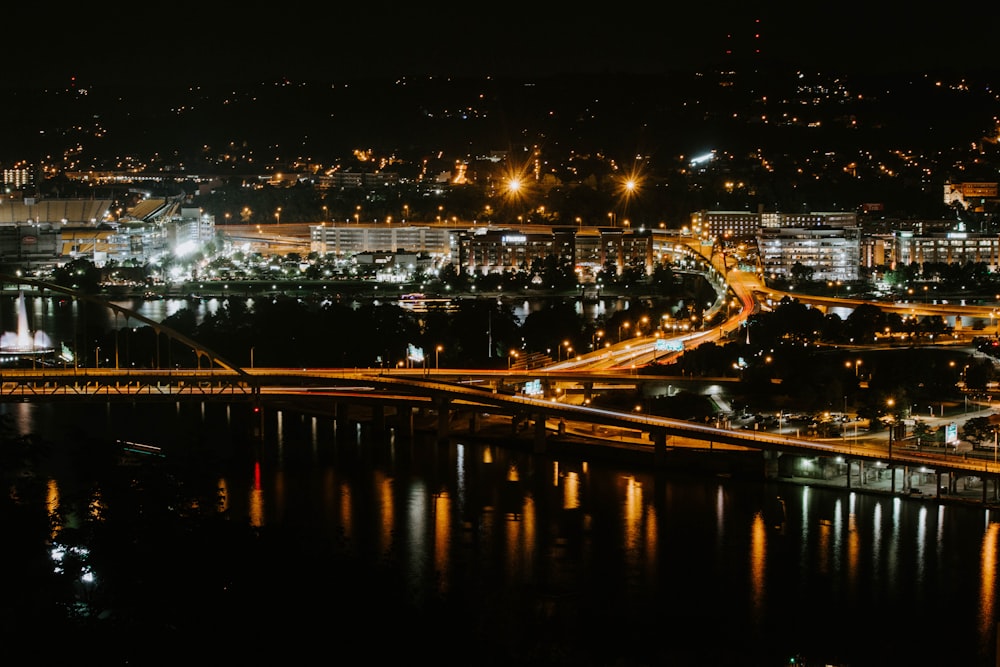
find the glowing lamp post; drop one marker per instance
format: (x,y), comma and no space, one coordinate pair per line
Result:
(892,425)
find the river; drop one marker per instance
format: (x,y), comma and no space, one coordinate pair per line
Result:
(562,560)
(570,561)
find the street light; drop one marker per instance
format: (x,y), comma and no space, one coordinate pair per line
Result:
(843,427)
(620,327)
(965,387)
(511,357)
(277,216)
(437,351)
(594,338)
(892,423)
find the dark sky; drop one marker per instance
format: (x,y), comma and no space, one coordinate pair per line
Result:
(190,42)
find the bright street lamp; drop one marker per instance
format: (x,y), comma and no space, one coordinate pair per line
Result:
(892,424)
(511,357)
(437,351)
(620,326)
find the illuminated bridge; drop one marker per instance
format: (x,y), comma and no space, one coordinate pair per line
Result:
(474,394)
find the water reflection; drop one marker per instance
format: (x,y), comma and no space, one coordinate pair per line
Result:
(988,594)
(758,565)
(627,549)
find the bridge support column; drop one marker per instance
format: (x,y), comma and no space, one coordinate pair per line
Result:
(771,464)
(474,422)
(340,412)
(849,466)
(378,419)
(404,419)
(659,438)
(588,392)
(540,434)
(937,486)
(443,408)
(892,479)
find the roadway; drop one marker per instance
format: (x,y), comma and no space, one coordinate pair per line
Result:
(477,391)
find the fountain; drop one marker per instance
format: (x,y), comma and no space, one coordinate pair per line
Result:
(22,341)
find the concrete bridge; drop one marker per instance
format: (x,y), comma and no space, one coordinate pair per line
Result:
(475,394)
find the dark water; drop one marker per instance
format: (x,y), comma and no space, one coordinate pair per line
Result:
(583,562)
(56,314)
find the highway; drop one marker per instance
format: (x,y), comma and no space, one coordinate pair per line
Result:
(475,390)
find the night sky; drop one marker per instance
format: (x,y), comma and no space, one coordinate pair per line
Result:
(215,42)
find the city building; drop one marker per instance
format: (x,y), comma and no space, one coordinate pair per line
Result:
(971,196)
(347,240)
(27,245)
(833,253)
(951,247)
(496,250)
(735,226)
(54,211)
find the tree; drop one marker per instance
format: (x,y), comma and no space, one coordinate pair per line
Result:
(978,429)
(80,275)
(801,273)
(864,322)
(547,329)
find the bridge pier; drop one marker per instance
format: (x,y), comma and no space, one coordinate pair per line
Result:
(404,419)
(340,417)
(378,419)
(659,438)
(540,434)
(771,464)
(443,410)
(474,420)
